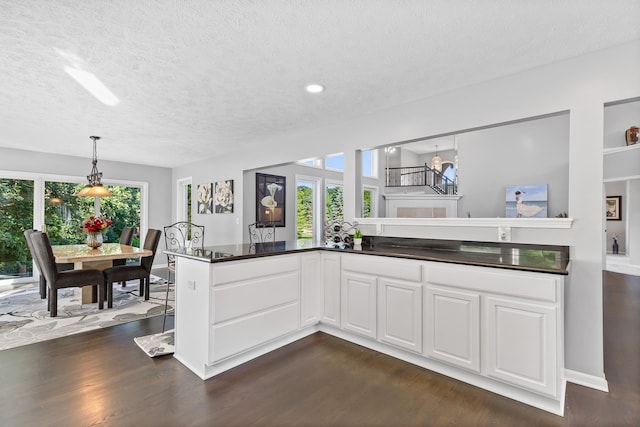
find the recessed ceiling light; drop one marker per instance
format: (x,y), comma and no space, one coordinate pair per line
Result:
(314,88)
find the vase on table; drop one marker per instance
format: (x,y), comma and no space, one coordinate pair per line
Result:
(94,239)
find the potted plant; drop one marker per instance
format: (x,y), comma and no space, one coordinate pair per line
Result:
(357,237)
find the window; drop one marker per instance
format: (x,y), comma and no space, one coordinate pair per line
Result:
(314,163)
(29,200)
(370,163)
(308,207)
(334,162)
(369,201)
(16,215)
(183,194)
(334,202)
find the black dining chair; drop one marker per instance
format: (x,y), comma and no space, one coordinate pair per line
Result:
(62,279)
(41,280)
(140,272)
(126,237)
(179,235)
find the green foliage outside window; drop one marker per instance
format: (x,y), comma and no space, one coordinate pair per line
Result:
(304,212)
(64,213)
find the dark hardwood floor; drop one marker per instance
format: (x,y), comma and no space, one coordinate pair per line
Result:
(102,378)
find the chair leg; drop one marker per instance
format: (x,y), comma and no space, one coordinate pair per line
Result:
(146,288)
(166,304)
(141,288)
(110,295)
(94,293)
(43,287)
(53,302)
(101,294)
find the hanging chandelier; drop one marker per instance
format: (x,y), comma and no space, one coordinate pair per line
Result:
(436,162)
(94,188)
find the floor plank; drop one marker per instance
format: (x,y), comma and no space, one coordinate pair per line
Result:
(102,378)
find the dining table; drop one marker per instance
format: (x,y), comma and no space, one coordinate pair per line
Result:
(85,257)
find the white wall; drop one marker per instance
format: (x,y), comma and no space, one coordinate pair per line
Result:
(581,85)
(159,179)
(525,153)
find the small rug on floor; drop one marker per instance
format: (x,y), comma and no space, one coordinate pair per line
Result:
(24,318)
(157,344)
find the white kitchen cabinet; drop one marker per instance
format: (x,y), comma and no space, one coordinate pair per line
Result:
(400,313)
(520,343)
(452,326)
(310,288)
(330,288)
(253,302)
(358,303)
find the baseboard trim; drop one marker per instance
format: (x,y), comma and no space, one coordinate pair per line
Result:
(591,381)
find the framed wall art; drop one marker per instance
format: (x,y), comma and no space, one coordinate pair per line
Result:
(205,198)
(526,201)
(224,197)
(614,208)
(271,199)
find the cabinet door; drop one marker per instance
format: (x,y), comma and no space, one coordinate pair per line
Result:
(452,326)
(400,314)
(309,289)
(330,298)
(359,304)
(521,343)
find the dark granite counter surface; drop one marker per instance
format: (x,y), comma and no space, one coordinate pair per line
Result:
(512,256)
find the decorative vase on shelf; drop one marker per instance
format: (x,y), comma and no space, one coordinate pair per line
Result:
(94,240)
(632,135)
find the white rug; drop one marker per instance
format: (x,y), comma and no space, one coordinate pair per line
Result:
(157,344)
(24,318)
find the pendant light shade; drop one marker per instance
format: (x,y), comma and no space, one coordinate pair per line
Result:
(94,188)
(436,162)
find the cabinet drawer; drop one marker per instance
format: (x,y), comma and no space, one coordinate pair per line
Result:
(236,271)
(236,336)
(243,298)
(520,284)
(383,267)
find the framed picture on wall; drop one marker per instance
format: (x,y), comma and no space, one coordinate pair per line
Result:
(614,208)
(224,196)
(205,198)
(270,199)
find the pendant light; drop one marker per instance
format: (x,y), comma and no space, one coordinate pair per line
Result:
(94,188)
(436,162)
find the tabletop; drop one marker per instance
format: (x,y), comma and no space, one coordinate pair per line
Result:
(106,252)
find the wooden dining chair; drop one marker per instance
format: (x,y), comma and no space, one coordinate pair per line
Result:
(42,283)
(140,272)
(62,279)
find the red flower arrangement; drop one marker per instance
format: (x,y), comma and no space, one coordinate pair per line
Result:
(96,224)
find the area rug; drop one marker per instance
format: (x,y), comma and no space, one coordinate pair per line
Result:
(157,344)
(24,318)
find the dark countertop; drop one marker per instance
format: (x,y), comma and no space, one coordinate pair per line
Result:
(512,256)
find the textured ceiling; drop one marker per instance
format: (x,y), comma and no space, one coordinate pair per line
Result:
(197,78)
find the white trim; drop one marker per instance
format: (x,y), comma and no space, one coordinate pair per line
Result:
(181,198)
(613,150)
(623,178)
(587,380)
(471,222)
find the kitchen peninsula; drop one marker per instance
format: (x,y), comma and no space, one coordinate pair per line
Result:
(489,314)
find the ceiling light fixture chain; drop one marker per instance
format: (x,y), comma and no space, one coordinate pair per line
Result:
(94,188)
